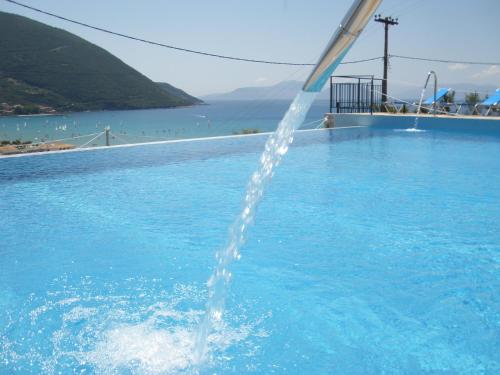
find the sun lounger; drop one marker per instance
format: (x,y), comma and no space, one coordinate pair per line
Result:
(490,103)
(428,104)
(439,96)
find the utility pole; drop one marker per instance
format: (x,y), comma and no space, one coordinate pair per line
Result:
(387,21)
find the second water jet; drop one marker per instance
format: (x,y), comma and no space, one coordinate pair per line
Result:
(419,108)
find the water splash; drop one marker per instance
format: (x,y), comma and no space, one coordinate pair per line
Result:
(83,328)
(410,130)
(147,348)
(276,147)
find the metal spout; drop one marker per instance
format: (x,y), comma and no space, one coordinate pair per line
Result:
(432,72)
(351,26)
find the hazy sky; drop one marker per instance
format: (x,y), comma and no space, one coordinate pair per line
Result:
(286,30)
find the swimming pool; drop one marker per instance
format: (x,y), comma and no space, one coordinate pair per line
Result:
(375,251)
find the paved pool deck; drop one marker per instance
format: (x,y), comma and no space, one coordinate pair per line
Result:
(427,115)
(451,123)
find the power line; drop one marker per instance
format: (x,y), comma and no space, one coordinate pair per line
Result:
(174,47)
(137,39)
(445,61)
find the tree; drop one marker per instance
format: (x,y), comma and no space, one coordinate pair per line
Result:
(28,109)
(472,99)
(449,98)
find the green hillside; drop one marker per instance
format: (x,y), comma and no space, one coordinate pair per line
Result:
(178,92)
(44,66)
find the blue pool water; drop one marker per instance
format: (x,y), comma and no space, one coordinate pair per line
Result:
(374,251)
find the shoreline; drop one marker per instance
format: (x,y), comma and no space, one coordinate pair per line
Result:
(52,114)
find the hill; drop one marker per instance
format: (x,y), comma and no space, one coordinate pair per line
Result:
(46,66)
(280,91)
(178,92)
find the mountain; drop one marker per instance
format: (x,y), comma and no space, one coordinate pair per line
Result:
(288,89)
(280,91)
(44,66)
(171,90)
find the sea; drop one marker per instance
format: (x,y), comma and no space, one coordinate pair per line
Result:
(217,118)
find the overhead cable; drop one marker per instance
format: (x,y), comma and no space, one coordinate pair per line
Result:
(203,53)
(234,58)
(445,60)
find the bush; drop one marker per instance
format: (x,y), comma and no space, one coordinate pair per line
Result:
(26,110)
(247,131)
(16,142)
(450,97)
(472,99)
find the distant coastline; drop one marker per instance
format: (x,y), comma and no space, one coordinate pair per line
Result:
(64,113)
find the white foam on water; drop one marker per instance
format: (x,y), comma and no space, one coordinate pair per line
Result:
(146,349)
(411,130)
(76,331)
(143,348)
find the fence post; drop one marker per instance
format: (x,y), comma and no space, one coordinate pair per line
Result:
(371,97)
(106,130)
(331,95)
(359,95)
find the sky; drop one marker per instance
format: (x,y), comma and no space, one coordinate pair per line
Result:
(283,30)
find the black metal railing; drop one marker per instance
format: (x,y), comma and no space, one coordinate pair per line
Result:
(360,94)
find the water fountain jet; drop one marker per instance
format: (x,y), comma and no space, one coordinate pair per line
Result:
(432,72)
(276,147)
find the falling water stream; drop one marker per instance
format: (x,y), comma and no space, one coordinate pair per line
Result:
(276,147)
(415,126)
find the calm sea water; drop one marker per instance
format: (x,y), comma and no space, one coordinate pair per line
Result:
(374,251)
(214,119)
